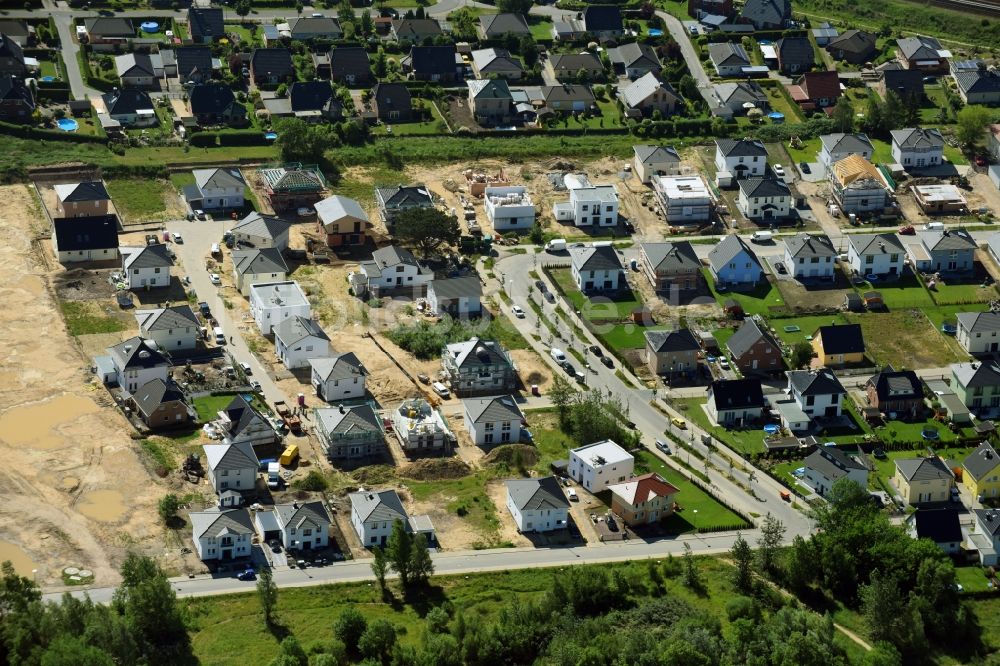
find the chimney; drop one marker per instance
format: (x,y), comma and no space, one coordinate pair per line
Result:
(295,505)
(342,410)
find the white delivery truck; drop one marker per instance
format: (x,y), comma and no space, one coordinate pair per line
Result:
(556,245)
(220,335)
(762,237)
(273,475)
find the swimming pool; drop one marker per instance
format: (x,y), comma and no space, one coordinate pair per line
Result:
(68,125)
(270,136)
(47,78)
(150,26)
(655,32)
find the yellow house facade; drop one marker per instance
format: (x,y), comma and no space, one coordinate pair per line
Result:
(839,344)
(922,480)
(981,472)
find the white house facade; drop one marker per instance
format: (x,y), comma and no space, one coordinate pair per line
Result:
(509,208)
(299,339)
(222,535)
(588,205)
(875,254)
(273,302)
(537,505)
(173,328)
(338,377)
(373,514)
(231,466)
(493,420)
(146,267)
(598,465)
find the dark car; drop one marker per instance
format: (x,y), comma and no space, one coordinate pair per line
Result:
(275,545)
(204,309)
(568,367)
(780,266)
(247,574)
(550,297)
(606,360)
(540,286)
(596,351)
(804,166)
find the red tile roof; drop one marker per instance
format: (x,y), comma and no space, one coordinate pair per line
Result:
(819,85)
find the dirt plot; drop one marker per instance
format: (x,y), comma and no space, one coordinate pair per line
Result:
(78,494)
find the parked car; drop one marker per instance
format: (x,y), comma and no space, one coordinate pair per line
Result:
(595,350)
(571,494)
(200,214)
(256,387)
(804,166)
(441,389)
(780,267)
(678,422)
(779,171)
(550,297)
(517,311)
(245,367)
(663,446)
(215,278)
(606,360)
(541,286)
(178,238)
(907,230)
(247,574)
(570,370)
(305,211)
(275,545)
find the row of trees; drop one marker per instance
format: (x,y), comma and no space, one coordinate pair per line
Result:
(591,416)
(407,556)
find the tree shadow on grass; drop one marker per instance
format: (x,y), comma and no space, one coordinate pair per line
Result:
(423,598)
(278,629)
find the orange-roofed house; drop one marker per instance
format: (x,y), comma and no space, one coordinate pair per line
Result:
(643,500)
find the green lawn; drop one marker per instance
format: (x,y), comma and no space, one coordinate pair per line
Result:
(743,441)
(181,179)
(941,314)
(436,125)
(885,468)
(49,68)
(779,102)
(699,510)
(807,326)
(243,34)
(136,198)
(209,406)
(907,292)
(551,443)
(598,308)
(753,302)
(465,497)
(806,152)
(972,578)
(627,336)
(86,317)
(946,294)
(541,29)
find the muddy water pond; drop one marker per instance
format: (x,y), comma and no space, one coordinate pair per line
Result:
(34,426)
(106,506)
(22,563)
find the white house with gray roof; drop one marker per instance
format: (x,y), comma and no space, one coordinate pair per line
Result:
(808,256)
(943,250)
(978,332)
(827,465)
(764,199)
(349,432)
(728,58)
(338,377)
(301,525)
(634,59)
(298,339)
(588,205)
(597,268)
(222,535)
(146,266)
(537,505)
(257,265)
(733,96)
(231,466)
(172,328)
(262,231)
(493,420)
(816,392)
(478,367)
(740,158)
(216,189)
(917,147)
(875,254)
(373,514)
(734,264)
(273,302)
(136,362)
(837,146)
(647,94)
(650,161)
(393,268)
(457,296)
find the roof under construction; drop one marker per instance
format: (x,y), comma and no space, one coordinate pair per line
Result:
(293,178)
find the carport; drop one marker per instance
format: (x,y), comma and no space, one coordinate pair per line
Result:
(267,525)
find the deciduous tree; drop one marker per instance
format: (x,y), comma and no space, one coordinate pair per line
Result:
(380,566)
(421,565)
(971,124)
(398,550)
(349,628)
(378,640)
(267,592)
(743,560)
(426,229)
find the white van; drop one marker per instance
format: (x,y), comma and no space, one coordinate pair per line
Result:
(571,494)
(556,245)
(216,250)
(441,389)
(762,237)
(557,355)
(934,226)
(220,336)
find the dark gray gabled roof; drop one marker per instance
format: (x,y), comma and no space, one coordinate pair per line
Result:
(728,249)
(795,50)
(433,59)
(853,41)
(147,256)
(633,54)
(266,226)
(206,22)
(929,468)
(307,27)
(297,515)
(648,154)
(382,505)
(294,329)
(919,48)
(675,256)
(214,98)
(971,375)
(231,456)
(979,322)
(841,339)
(680,340)
(766,12)
(215,524)
(602,18)
(747,336)
(741,92)
(537,494)
(940,525)
(192,59)
(218,178)
(409,195)
(596,258)
(831,462)
(574,62)
(475,352)
(92,190)
(109,26)
(95,232)
(137,353)
(807,246)
(242,415)
(272,62)
(393,255)
(497,25)
(815,382)
(764,187)
(154,393)
(900,385)
(918,137)
(312,96)
(728,53)
(875,243)
(982,461)
(126,101)
(348,420)
(350,60)
(978,81)
(13,89)
(258,261)
(457,287)
(741,148)
(338,366)
(492,409)
(645,86)
(736,394)
(840,142)
(989,520)
(947,239)
(165,319)
(134,64)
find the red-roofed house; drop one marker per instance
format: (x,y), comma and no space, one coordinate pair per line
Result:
(643,500)
(816,90)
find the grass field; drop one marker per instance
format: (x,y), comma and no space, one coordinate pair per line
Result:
(137,199)
(753,302)
(84,318)
(906,292)
(807,326)
(905,339)
(744,441)
(465,497)
(541,29)
(947,294)
(885,468)
(210,405)
(550,442)
(597,308)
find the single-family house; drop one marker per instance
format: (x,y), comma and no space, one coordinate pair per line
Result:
(338,377)
(907,83)
(943,250)
(922,480)
(597,268)
(215,189)
(343,220)
(392,268)
(795,55)
(754,350)
(766,14)
(300,525)
(292,186)
(11,57)
(634,60)
(491,101)
(298,339)
(733,97)
(647,94)
(496,62)
(978,332)
(231,466)
(672,352)
(315,27)
(603,21)
(131,107)
(734,264)
(599,465)
(349,432)
(742,158)
(393,200)
(735,402)
(205,24)
(373,514)
(215,104)
(20,32)
(256,265)
(537,505)
(808,256)
(147,266)
(273,302)
(764,199)
(456,297)
(839,146)
(493,420)
(569,98)
(980,86)
(579,67)
(684,200)
(839,344)
(172,328)
(588,205)
(138,70)
(652,161)
(137,362)
(17,103)
(818,393)
(985,536)
(977,385)
(496,26)
(942,198)
(420,428)
(478,367)
(509,208)
(827,465)
(350,66)
(858,187)
(314,101)
(728,58)
(109,33)
(816,90)
(941,525)
(875,254)
(853,46)
(643,500)
(436,64)
(671,267)
(258,230)
(240,422)
(271,67)
(222,535)
(980,473)
(160,404)
(923,53)
(86,199)
(414,30)
(917,147)
(91,238)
